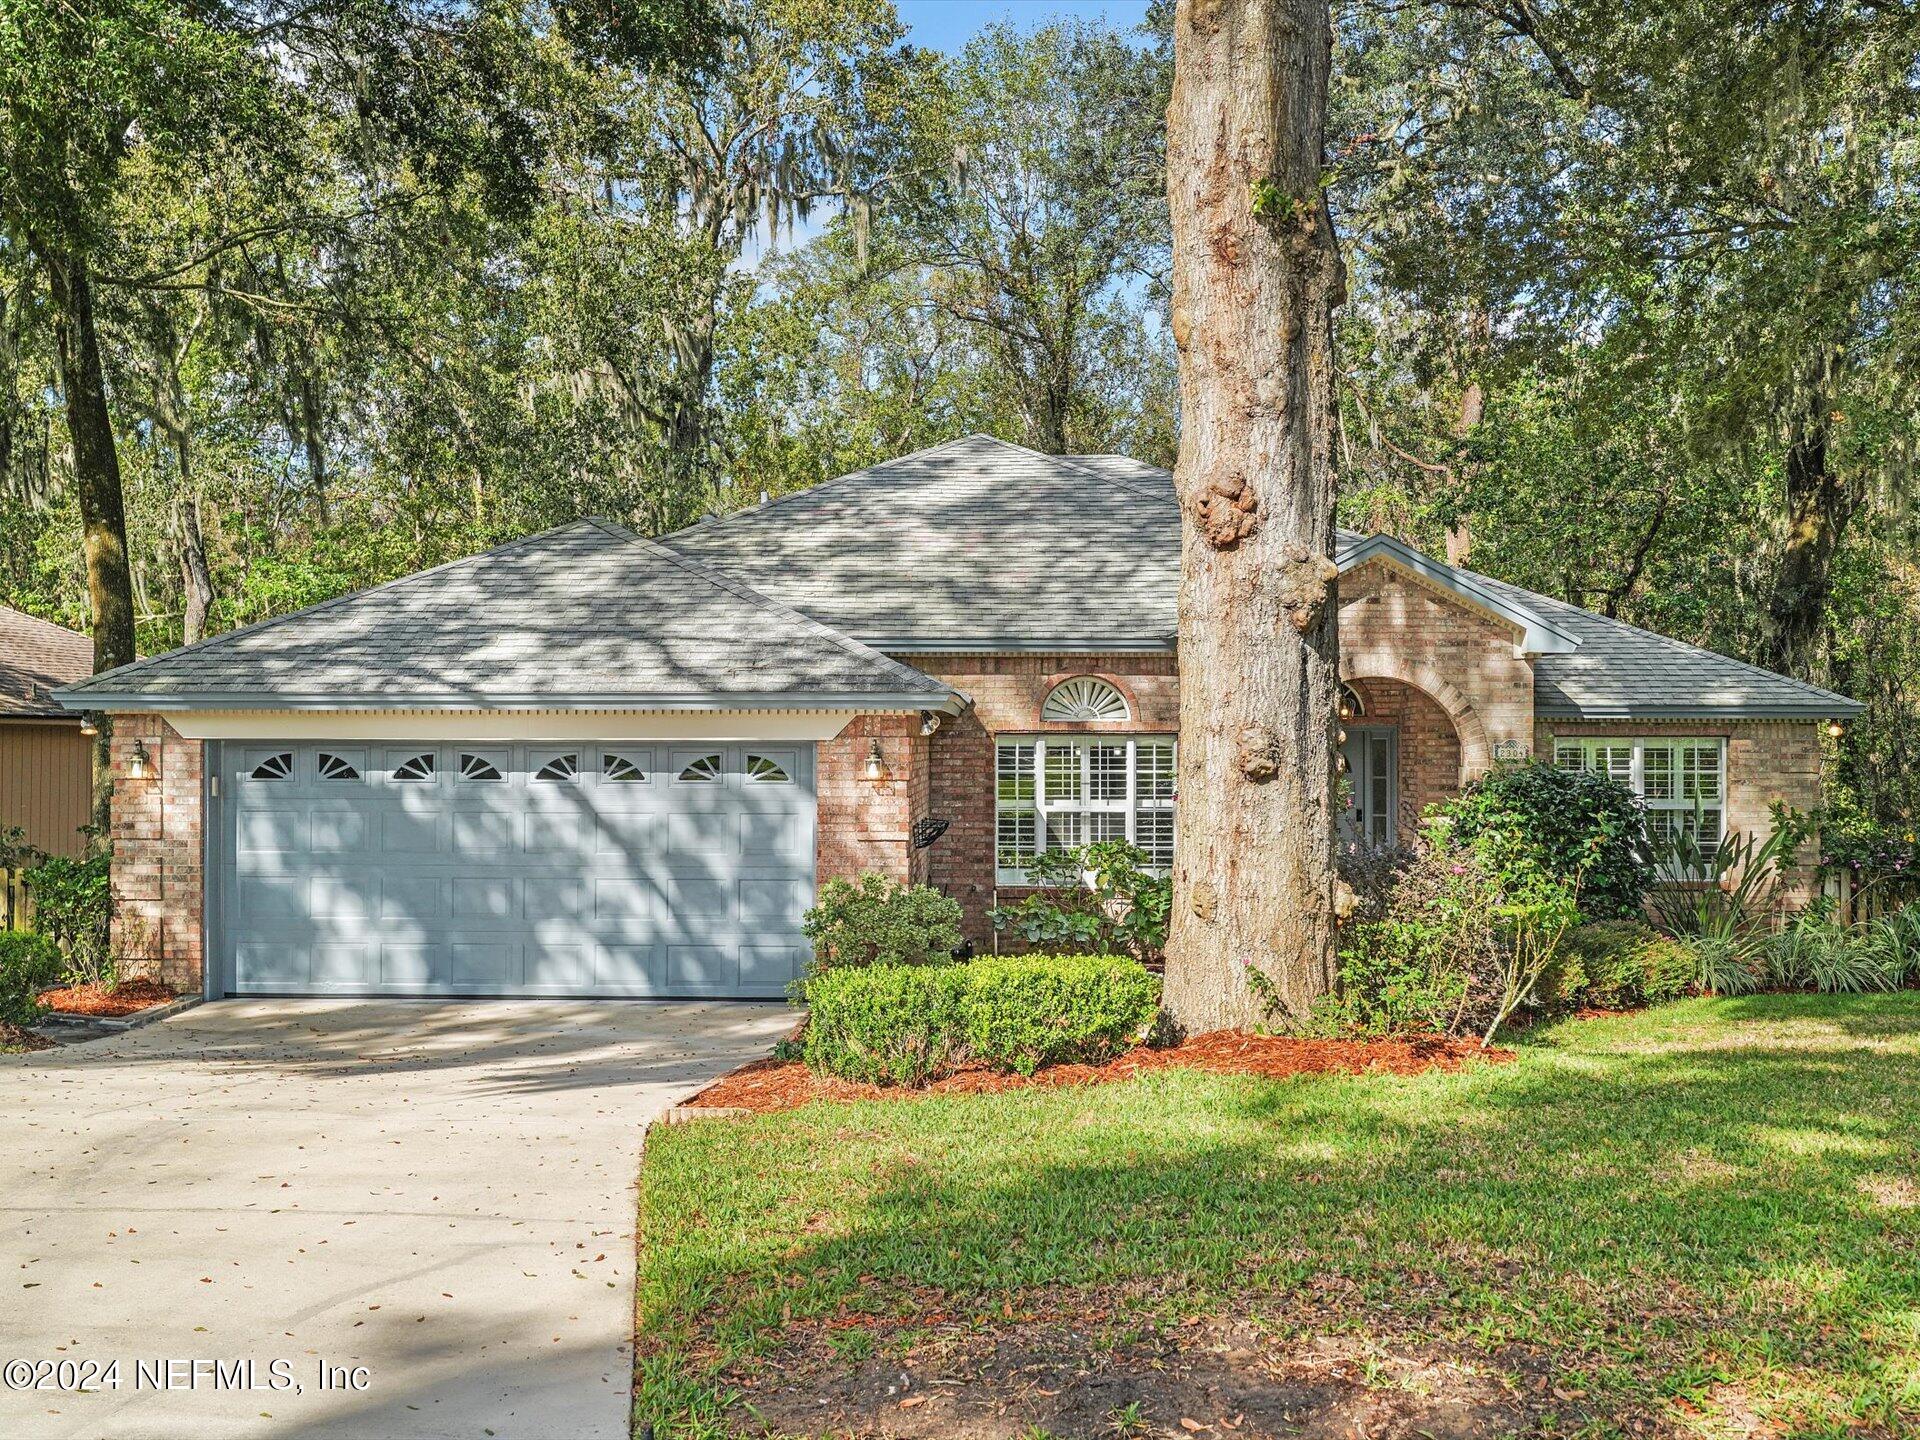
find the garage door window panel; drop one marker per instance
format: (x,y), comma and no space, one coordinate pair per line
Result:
(626,767)
(277,766)
(339,767)
(555,767)
(483,768)
(419,767)
(700,769)
(774,768)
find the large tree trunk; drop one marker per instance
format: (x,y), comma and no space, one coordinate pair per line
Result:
(1819,506)
(194,576)
(1256,277)
(96,471)
(172,415)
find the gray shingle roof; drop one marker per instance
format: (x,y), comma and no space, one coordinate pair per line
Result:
(972,544)
(36,657)
(977,542)
(584,615)
(1622,670)
(967,543)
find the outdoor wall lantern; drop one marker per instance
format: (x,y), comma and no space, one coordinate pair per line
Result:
(1836,729)
(876,762)
(138,763)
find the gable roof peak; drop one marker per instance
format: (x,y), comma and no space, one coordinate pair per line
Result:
(1538,634)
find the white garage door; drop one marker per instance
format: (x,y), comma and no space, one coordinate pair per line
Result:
(469,869)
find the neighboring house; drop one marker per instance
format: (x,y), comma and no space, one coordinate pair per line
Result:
(46,764)
(589,763)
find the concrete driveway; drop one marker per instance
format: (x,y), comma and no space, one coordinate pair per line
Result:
(433,1200)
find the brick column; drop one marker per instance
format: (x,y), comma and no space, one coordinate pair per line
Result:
(865,825)
(159,884)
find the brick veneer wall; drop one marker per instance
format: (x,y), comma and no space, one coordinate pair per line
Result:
(865,824)
(1396,626)
(159,880)
(1429,750)
(1768,761)
(1007,693)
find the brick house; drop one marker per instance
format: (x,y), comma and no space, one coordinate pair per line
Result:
(588,763)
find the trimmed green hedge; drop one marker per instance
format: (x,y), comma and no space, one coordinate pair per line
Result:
(885,1024)
(908,1024)
(1619,964)
(1026,1011)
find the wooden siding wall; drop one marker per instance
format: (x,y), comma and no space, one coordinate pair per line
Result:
(46,782)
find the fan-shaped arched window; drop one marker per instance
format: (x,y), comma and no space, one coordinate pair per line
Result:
(336,767)
(479,768)
(274,767)
(1085,698)
(765,770)
(703,771)
(415,767)
(559,768)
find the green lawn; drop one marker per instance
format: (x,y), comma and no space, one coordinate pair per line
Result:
(1703,1212)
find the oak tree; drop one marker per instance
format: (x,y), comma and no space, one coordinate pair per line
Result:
(1256,277)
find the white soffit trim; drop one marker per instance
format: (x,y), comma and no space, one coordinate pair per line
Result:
(508,724)
(1538,636)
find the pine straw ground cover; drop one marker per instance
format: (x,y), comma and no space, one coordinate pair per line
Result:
(1701,1220)
(14,1040)
(128,997)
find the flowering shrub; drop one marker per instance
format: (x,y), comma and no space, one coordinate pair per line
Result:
(1454,941)
(1867,849)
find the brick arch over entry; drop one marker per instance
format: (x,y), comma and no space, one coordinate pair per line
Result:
(1476,751)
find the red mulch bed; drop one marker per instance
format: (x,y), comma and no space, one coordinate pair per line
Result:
(123,999)
(783,1084)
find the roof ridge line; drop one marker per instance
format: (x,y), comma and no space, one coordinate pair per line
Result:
(1072,463)
(747,592)
(314,609)
(815,489)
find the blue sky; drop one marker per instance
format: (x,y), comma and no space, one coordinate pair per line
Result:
(947,24)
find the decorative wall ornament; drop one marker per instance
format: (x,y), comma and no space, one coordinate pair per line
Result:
(1085,698)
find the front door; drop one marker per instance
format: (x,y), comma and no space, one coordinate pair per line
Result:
(1372,782)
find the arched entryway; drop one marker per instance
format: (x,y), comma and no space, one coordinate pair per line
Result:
(1405,752)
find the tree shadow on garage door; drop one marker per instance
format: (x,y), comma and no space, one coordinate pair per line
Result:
(456,869)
